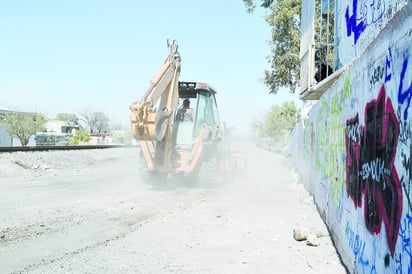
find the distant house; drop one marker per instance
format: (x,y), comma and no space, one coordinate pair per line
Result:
(116,137)
(56,133)
(99,139)
(56,126)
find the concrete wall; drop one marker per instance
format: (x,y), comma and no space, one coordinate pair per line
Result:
(354,148)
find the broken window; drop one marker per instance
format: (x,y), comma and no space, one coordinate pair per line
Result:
(317,48)
(324,39)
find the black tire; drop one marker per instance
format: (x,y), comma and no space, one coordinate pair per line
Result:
(208,172)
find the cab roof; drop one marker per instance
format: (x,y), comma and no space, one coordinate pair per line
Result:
(191,89)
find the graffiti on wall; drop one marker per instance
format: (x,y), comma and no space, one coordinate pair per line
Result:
(389,66)
(363,14)
(330,138)
(357,245)
(405,231)
(407,177)
(377,75)
(308,138)
(405,91)
(370,168)
(373,224)
(404,96)
(329,160)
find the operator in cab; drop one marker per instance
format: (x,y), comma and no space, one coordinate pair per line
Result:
(185,113)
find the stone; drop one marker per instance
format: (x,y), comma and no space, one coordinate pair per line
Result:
(300,234)
(312,240)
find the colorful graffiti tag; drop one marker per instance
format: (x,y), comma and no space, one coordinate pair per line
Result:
(370,169)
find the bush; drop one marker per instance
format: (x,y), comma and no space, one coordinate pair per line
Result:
(80,137)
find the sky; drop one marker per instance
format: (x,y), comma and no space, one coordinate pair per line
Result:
(100,55)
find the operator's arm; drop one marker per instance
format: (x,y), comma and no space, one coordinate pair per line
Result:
(188,116)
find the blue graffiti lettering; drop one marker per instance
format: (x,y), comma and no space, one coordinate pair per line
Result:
(405,234)
(377,8)
(388,74)
(399,265)
(357,245)
(405,95)
(405,230)
(351,25)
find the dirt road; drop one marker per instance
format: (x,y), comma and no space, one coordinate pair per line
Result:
(88,212)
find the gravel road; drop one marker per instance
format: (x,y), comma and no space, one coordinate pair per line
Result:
(86,211)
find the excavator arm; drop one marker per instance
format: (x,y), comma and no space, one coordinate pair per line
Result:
(148,123)
(150,118)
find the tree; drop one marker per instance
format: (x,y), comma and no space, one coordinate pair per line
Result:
(250,4)
(284,18)
(96,122)
(70,118)
(277,125)
(280,119)
(23,125)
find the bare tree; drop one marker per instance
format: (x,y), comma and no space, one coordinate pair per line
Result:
(95,122)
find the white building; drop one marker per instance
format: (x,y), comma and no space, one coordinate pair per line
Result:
(56,133)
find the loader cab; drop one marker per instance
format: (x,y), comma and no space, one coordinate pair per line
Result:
(204,112)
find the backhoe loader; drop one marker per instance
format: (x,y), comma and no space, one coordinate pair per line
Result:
(177,140)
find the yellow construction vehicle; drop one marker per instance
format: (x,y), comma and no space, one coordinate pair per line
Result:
(178,126)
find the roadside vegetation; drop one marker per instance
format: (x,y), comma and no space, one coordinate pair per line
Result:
(272,130)
(80,137)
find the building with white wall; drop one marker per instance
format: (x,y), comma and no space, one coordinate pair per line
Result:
(354,146)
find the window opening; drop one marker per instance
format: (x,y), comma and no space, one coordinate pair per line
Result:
(324,39)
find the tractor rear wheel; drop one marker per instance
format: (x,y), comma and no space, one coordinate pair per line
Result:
(208,172)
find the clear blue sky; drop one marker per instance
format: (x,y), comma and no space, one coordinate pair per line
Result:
(100,55)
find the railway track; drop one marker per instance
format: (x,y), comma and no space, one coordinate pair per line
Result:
(52,148)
